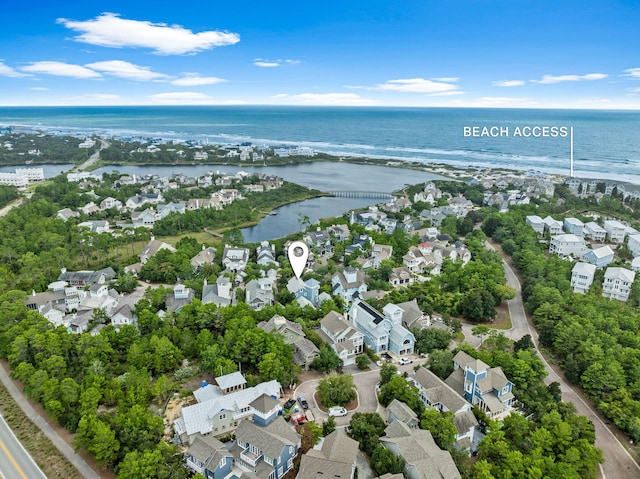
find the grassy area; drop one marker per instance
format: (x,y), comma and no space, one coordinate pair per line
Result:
(50,460)
(503,319)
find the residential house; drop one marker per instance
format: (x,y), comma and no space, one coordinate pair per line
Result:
(616,231)
(232,382)
(109,203)
(100,226)
(567,245)
(423,458)
(379,253)
(536,223)
(401,276)
(457,252)
(348,283)
(481,385)
(335,457)
(267,445)
(573,226)
(137,201)
(340,232)
(436,393)
(633,243)
(382,332)
(420,258)
(152,248)
(412,315)
(206,256)
(617,283)
(143,219)
(122,316)
(165,210)
(259,293)
(304,351)
(635,264)
(342,336)
(307,292)
(219,414)
(99,297)
(319,241)
(66,214)
(594,231)
(209,457)
(235,259)
(180,298)
(266,254)
(582,277)
(399,411)
(219,293)
(430,194)
(553,226)
(86,278)
(600,257)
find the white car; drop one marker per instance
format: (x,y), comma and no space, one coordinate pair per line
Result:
(337,411)
(405,361)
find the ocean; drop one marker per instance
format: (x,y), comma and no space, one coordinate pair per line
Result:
(606,143)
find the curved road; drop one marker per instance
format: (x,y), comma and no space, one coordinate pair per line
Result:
(618,461)
(15,461)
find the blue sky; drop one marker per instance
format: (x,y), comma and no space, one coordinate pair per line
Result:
(539,54)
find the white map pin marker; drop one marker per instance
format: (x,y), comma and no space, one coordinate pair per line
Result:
(298,253)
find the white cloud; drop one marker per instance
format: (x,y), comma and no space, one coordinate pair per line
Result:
(127,70)
(194,79)
(38,88)
(508,83)
(634,90)
(328,99)
(109,30)
(7,71)
(550,79)
(416,85)
(447,79)
(448,93)
(632,72)
(61,69)
(263,62)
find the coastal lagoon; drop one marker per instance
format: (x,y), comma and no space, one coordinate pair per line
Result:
(324,176)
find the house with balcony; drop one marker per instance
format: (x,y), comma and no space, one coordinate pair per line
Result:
(349,284)
(235,259)
(567,245)
(382,331)
(600,257)
(259,293)
(617,283)
(219,293)
(616,231)
(553,226)
(594,231)
(206,256)
(482,385)
(266,445)
(399,411)
(217,413)
(335,457)
(266,254)
(342,336)
(582,276)
(401,276)
(536,223)
(208,456)
(152,248)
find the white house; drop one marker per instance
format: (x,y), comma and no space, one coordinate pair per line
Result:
(554,226)
(536,223)
(594,231)
(582,276)
(382,332)
(342,336)
(616,231)
(567,245)
(633,243)
(617,283)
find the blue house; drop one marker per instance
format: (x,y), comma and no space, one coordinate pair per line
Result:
(382,332)
(266,445)
(482,385)
(349,284)
(600,257)
(208,456)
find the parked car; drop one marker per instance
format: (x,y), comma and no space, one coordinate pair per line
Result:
(303,402)
(337,411)
(289,404)
(405,361)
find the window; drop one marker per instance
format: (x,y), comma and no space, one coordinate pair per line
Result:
(290,449)
(279,471)
(223,416)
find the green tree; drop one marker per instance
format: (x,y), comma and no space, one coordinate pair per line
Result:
(336,390)
(384,461)
(440,426)
(366,428)
(362,361)
(328,426)
(387,371)
(441,363)
(327,360)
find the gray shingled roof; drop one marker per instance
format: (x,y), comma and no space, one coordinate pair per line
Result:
(271,439)
(264,403)
(439,391)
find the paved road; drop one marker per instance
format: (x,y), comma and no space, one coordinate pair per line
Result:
(95,157)
(65,449)
(15,461)
(618,461)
